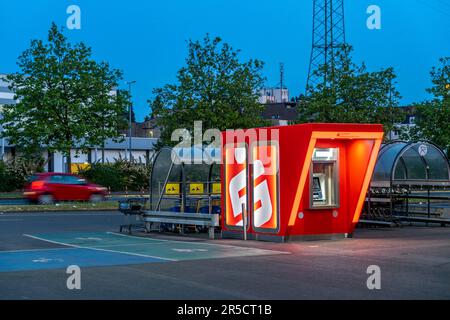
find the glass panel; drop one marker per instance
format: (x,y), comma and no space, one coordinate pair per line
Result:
(215,173)
(160,171)
(437,164)
(56,179)
(73,180)
(196,172)
(415,166)
(400,171)
(385,161)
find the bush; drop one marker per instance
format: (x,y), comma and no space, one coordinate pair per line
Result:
(6,179)
(119,176)
(14,173)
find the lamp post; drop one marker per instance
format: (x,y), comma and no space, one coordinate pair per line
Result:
(129,119)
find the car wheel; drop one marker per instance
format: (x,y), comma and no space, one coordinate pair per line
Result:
(96,198)
(46,199)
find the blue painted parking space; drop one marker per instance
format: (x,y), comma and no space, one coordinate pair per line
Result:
(61,258)
(99,249)
(170,250)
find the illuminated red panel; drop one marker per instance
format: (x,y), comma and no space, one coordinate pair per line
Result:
(265,187)
(235,184)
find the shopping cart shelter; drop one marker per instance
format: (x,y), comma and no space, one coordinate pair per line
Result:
(300,180)
(410,183)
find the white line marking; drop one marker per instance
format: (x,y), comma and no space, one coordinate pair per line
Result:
(36,250)
(126,245)
(135,237)
(98,249)
(203,243)
(46,260)
(60,214)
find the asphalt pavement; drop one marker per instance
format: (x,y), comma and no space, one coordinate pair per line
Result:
(36,248)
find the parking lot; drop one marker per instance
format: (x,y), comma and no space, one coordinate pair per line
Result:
(36,248)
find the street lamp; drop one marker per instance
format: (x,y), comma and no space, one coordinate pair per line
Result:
(129,119)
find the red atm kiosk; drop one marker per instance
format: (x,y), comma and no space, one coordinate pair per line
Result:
(304,180)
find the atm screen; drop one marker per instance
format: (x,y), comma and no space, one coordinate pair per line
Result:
(317,190)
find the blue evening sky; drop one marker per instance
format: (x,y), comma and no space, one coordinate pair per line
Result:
(147,38)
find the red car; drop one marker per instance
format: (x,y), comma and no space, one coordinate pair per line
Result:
(46,188)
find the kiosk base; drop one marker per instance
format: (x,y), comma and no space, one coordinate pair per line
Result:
(252,236)
(283,239)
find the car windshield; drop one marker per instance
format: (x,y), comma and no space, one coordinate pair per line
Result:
(73,180)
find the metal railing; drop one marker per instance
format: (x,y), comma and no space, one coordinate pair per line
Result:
(426,203)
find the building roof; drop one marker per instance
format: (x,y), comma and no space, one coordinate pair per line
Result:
(137,144)
(280,111)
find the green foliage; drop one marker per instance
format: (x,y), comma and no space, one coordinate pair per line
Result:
(7,182)
(119,176)
(14,173)
(213,87)
(64,98)
(355,96)
(433,117)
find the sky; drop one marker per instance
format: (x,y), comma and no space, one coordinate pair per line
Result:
(147,39)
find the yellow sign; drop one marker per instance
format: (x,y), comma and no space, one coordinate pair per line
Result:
(77,167)
(196,188)
(173,188)
(216,188)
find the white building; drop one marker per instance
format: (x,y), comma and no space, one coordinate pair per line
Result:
(141,148)
(6,97)
(406,125)
(273,95)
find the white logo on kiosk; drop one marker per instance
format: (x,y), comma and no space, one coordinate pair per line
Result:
(238,183)
(264,213)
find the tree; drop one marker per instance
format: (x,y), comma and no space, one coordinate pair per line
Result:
(433,117)
(64,98)
(214,87)
(354,96)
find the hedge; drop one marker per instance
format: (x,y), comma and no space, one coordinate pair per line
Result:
(119,176)
(14,173)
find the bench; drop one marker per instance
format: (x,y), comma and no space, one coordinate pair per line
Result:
(134,207)
(210,221)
